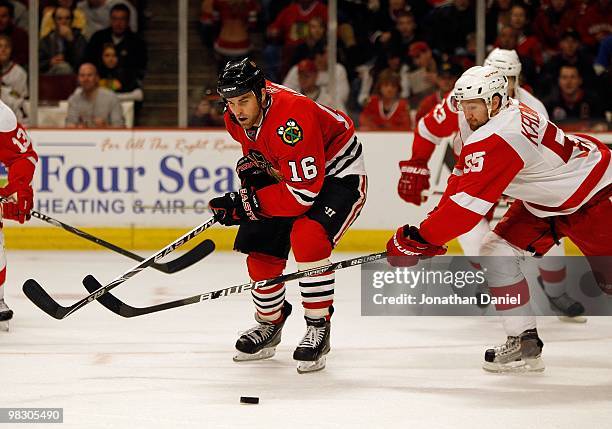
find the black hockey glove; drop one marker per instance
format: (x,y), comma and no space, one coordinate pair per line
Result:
(255,171)
(234,208)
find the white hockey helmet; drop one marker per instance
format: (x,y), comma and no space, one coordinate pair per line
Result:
(505,60)
(480,82)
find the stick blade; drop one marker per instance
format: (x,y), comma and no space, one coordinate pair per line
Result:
(108,300)
(196,254)
(35,293)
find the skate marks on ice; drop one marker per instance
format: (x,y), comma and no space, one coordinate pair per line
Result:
(175,369)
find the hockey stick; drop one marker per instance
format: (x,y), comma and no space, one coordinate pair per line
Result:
(202,250)
(34,291)
(113,304)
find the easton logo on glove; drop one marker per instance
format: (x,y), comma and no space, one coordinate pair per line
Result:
(249,203)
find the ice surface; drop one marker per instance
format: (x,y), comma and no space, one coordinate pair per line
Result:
(174,369)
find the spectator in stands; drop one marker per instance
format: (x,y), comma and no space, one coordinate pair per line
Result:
(14,80)
(21,16)
(229,21)
(209,111)
(403,35)
(320,59)
(62,50)
(315,36)
(423,76)
(289,29)
(307,78)
(97,14)
(386,110)
(604,56)
(596,23)
(527,44)
(448,74)
(118,79)
(508,39)
(570,105)
(47,24)
(498,17)
(551,22)
(91,106)
(385,20)
(466,56)
(19,37)
(388,59)
(570,54)
(131,49)
(448,26)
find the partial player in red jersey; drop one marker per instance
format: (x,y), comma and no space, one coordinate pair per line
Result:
(563,187)
(444,121)
(303,184)
(19,158)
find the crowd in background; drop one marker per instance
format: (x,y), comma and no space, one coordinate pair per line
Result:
(396,58)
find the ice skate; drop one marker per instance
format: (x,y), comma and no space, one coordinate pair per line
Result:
(518,355)
(311,351)
(260,342)
(572,310)
(6,314)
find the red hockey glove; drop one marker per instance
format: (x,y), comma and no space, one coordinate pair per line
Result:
(20,210)
(234,208)
(407,247)
(414,180)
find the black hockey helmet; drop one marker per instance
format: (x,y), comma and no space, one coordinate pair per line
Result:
(239,77)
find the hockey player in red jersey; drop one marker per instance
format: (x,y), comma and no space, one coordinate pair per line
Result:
(19,158)
(444,121)
(303,184)
(563,187)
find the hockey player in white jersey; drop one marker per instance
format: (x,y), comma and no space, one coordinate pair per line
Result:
(563,187)
(444,121)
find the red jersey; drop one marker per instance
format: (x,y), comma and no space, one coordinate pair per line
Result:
(291,24)
(305,142)
(373,116)
(16,151)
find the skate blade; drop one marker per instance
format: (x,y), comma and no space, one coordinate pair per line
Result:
(311,366)
(4,326)
(515,367)
(260,355)
(575,319)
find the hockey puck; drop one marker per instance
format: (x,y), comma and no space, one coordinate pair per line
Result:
(249,400)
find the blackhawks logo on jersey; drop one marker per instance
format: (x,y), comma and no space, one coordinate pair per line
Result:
(291,133)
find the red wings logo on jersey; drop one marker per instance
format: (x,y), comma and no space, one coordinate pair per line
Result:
(291,133)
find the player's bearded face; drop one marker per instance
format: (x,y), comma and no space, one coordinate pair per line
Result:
(476,113)
(246,108)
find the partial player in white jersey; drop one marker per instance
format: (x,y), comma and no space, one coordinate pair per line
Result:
(444,121)
(563,187)
(19,158)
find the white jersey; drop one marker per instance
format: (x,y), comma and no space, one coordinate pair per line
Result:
(444,120)
(551,172)
(520,154)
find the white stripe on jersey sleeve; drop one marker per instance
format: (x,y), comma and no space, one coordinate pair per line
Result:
(302,196)
(471,203)
(425,133)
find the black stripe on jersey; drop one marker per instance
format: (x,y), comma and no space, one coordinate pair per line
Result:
(350,161)
(316,294)
(303,196)
(315,284)
(341,157)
